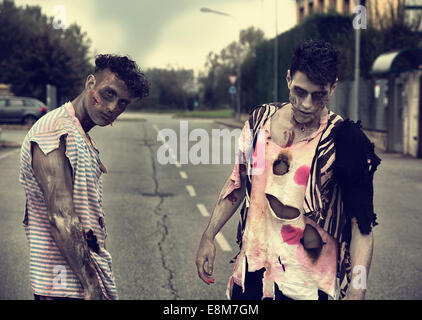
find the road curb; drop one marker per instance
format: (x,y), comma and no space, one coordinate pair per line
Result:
(230,123)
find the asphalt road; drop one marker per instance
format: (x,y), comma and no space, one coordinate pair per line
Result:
(155,215)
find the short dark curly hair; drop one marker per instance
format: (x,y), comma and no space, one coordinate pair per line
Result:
(318,60)
(127,70)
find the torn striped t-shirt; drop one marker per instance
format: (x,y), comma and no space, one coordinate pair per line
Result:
(50,274)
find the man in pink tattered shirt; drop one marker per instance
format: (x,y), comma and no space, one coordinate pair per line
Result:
(284,254)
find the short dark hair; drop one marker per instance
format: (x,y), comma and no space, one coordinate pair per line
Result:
(127,70)
(318,60)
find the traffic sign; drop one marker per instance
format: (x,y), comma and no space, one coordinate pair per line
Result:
(232,79)
(232,90)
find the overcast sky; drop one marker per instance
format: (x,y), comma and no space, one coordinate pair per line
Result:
(158,33)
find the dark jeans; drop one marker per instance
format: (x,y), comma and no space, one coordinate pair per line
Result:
(254,287)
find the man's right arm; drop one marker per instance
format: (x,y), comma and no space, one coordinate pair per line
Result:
(223,211)
(54,176)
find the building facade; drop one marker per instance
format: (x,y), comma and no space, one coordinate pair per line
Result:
(5,90)
(374,7)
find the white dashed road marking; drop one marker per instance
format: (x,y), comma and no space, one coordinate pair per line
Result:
(203,210)
(191,190)
(221,241)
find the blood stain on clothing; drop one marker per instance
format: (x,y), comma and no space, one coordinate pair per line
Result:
(291,235)
(256,253)
(302,175)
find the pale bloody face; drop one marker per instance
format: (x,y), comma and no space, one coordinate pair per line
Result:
(107,97)
(308,99)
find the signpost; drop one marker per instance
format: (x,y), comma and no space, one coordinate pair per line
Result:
(232,79)
(232,89)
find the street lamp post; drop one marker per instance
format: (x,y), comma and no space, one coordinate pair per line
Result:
(354,114)
(238,64)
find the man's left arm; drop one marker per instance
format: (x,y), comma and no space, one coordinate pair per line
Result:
(354,168)
(361,249)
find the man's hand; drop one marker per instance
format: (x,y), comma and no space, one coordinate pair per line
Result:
(205,259)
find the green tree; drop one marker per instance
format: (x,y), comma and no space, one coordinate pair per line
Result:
(171,88)
(393,30)
(34,54)
(214,81)
(398,27)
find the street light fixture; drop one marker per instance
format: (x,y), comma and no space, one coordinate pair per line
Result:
(208,10)
(238,65)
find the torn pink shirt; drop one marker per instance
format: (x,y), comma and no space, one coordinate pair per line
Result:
(271,242)
(245,141)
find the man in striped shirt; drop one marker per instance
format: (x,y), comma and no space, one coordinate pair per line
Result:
(61,174)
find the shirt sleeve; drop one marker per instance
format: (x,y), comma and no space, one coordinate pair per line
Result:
(49,140)
(354,168)
(242,156)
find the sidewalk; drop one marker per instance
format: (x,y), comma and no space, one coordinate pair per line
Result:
(234,123)
(12,136)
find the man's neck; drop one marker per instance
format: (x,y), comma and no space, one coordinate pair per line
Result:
(313,124)
(81,114)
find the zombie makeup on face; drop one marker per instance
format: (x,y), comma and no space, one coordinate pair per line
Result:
(319,98)
(96,99)
(110,95)
(293,99)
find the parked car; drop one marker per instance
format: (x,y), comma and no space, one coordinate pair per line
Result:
(21,110)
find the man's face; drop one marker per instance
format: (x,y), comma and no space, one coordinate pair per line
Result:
(307,98)
(107,97)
